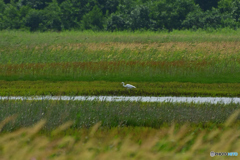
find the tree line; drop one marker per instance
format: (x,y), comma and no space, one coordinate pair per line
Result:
(118,15)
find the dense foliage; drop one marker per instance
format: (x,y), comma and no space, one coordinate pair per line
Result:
(112,15)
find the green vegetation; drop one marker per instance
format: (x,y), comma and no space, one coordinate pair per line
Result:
(178,60)
(172,142)
(89,63)
(113,114)
(73,88)
(115,15)
(18,39)
(179,71)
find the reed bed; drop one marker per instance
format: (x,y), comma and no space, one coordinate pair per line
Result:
(94,52)
(77,68)
(69,63)
(172,142)
(85,58)
(150,71)
(203,62)
(85,114)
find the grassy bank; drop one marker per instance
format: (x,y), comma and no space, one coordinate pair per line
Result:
(18,37)
(172,142)
(74,88)
(113,114)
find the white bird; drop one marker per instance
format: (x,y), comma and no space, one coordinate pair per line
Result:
(128,86)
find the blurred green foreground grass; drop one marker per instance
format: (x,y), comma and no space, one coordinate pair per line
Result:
(119,143)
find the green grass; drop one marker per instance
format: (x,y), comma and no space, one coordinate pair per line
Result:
(182,58)
(85,114)
(73,88)
(178,71)
(218,52)
(10,38)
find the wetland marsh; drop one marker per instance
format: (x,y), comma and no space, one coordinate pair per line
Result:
(178,63)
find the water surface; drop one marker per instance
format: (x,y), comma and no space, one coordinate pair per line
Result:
(215,100)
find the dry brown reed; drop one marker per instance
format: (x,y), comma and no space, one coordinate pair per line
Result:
(188,47)
(140,51)
(174,46)
(164,143)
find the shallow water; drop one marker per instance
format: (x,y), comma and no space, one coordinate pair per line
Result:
(215,100)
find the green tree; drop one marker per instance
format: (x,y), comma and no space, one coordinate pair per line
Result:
(114,15)
(52,16)
(116,23)
(236,10)
(170,14)
(2,8)
(139,18)
(93,20)
(35,4)
(207,4)
(71,14)
(231,7)
(209,19)
(11,17)
(34,20)
(225,6)
(108,6)
(123,18)
(86,6)
(125,7)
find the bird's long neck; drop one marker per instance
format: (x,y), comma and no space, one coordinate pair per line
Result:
(123,85)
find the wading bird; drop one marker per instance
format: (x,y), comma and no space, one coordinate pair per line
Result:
(128,86)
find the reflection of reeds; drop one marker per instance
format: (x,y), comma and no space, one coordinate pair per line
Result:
(140,143)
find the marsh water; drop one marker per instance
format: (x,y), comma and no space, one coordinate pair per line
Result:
(215,100)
